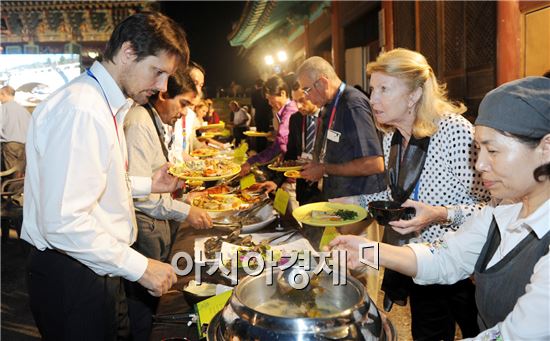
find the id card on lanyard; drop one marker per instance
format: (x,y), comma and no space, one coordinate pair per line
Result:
(123,154)
(89,73)
(332,134)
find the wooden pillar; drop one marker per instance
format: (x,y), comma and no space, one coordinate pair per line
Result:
(417,25)
(337,39)
(508,41)
(387,6)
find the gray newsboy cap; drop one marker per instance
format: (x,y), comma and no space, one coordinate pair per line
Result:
(520,107)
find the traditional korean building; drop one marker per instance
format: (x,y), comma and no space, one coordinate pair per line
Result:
(473,46)
(81,27)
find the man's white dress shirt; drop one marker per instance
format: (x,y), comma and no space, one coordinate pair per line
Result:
(77,198)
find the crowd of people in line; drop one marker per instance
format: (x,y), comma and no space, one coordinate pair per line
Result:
(101,211)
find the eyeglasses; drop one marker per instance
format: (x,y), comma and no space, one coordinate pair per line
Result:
(308,89)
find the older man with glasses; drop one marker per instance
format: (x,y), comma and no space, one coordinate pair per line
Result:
(347,154)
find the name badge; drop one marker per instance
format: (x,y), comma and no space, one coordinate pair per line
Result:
(306,156)
(333,135)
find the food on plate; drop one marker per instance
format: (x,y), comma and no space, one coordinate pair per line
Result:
(195,183)
(204,168)
(245,220)
(288,163)
(252,194)
(293,174)
(220,189)
(203,289)
(256,133)
(214,244)
(260,249)
(202,152)
(218,202)
(346,214)
(337,215)
(325,215)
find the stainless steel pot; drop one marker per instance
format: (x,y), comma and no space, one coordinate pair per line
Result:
(345,313)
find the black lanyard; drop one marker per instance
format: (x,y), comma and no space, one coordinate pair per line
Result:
(159,134)
(406,166)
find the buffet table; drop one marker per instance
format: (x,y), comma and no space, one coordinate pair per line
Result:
(172,314)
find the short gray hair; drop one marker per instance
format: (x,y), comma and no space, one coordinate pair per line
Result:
(315,67)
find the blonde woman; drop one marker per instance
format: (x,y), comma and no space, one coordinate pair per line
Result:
(504,247)
(201,110)
(429,158)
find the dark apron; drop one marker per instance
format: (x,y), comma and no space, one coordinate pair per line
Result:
(402,175)
(499,287)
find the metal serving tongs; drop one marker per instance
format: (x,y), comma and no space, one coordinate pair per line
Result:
(284,287)
(230,179)
(178,318)
(259,193)
(254,208)
(229,226)
(282,238)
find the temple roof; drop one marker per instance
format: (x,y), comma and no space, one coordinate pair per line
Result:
(260,18)
(59,21)
(18,6)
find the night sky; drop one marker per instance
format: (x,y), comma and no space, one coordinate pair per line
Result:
(207,24)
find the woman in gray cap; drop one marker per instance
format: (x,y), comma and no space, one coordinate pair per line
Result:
(505,246)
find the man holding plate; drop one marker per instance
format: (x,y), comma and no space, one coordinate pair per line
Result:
(301,140)
(348,155)
(144,130)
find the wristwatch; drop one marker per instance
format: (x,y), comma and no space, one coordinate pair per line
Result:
(325,174)
(451,212)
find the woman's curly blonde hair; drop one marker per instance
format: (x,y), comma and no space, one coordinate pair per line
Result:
(414,70)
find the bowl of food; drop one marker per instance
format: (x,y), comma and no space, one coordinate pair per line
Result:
(384,211)
(195,293)
(325,311)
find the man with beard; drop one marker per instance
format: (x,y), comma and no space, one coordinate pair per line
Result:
(78,211)
(147,152)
